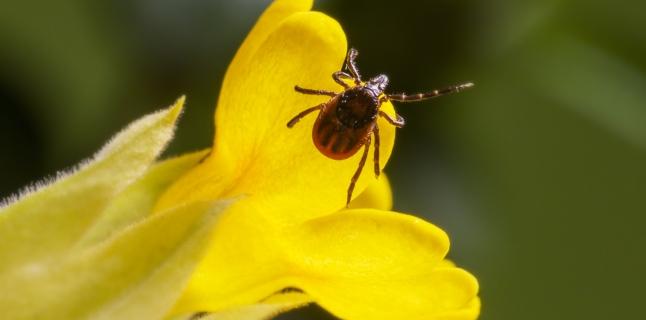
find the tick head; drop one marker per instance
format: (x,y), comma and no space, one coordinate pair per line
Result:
(379,83)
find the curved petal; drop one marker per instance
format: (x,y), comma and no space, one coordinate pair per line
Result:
(367,243)
(136,201)
(278,11)
(242,266)
(377,195)
(137,274)
(440,294)
(266,309)
(370,264)
(255,153)
(470,311)
(71,202)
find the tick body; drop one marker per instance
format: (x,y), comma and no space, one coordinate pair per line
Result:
(348,120)
(345,123)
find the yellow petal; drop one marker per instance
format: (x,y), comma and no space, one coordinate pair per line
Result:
(367,243)
(468,312)
(266,309)
(278,11)
(136,201)
(446,263)
(243,265)
(370,264)
(138,274)
(440,294)
(49,220)
(255,153)
(378,195)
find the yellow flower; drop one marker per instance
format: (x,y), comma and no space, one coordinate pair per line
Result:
(87,246)
(288,229)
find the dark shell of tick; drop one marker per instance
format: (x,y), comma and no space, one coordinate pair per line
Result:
(345,122)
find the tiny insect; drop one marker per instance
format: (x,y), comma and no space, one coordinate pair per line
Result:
(348,120)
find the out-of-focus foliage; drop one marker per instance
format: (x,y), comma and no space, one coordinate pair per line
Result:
(536,174)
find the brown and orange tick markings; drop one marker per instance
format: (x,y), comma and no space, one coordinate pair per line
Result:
(347,121)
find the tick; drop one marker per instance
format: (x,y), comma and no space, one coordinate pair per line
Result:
(348,120)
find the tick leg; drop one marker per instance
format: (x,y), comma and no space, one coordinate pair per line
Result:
(402,97)
(305,112)
(399,123)
(375,132)
(315,92)
(356,175)
(352,66)
(339,76)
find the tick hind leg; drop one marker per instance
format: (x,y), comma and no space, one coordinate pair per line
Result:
(303,113)
(357,173)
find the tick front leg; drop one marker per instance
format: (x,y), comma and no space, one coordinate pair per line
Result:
(402,97)
(352,65)
(375,132)
(399,123)
(305,112)
(339,76)
(356,175)
(314,92)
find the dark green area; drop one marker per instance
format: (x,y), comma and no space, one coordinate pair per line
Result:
(537,174)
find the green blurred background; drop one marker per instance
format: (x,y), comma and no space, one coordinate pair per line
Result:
(537,174)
